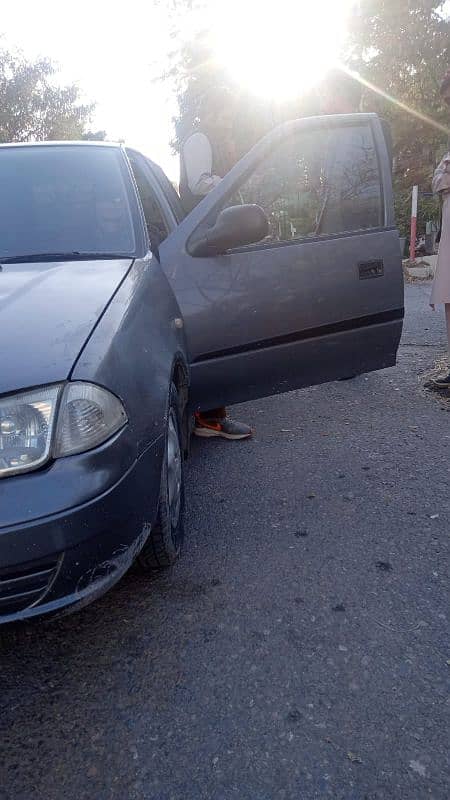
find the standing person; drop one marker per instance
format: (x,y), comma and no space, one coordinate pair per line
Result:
(440,292)
(205,157)
(339,93)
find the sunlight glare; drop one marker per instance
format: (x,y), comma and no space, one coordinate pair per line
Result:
(279,50)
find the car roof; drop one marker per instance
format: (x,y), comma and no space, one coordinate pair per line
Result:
(80,143)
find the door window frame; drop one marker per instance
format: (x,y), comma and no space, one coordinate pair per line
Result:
(206,212)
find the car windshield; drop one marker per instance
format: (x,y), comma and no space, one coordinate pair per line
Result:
(64,201)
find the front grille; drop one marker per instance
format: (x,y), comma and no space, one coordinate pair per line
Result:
(23,585)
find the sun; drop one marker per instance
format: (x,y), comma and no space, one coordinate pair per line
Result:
(282,49)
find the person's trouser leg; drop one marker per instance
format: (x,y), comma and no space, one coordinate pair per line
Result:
(444,381)
(447,319)
(213,413)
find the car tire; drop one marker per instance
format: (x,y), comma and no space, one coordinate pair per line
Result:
(163,545)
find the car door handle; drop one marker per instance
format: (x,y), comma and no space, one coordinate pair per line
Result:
(371,269)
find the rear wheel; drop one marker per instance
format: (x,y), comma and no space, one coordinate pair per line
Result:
(163,546)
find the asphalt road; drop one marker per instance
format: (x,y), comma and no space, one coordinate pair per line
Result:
(300,648)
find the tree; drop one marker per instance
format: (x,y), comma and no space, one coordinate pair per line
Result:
(32,107)
(198,76)
(93,136)
(403,48)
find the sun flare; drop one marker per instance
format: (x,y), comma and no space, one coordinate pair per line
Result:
(279,50)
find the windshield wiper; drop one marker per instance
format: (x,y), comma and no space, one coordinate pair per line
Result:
(74,255)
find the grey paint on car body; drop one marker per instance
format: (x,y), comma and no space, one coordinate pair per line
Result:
(39,348)
(242,307)
(254,321)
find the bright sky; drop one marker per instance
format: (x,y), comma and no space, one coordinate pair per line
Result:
(113,51)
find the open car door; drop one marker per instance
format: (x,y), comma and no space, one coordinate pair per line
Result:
(321,296)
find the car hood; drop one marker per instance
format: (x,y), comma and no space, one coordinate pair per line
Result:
(47,312)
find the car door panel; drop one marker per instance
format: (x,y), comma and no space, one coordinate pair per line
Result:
(278,316)
(296,364)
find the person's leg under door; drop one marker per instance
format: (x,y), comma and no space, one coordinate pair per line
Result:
(216,424)
(444,383)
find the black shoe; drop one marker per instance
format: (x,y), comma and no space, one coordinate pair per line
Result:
(442,383)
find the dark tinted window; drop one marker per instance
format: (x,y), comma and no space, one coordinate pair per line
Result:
(156,227)
(64,199)
(317,183)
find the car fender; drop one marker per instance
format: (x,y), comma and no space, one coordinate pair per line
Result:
(136,350)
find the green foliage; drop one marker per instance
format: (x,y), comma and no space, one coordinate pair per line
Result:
(93,136)
(32,106)
(403,47)
(199,79)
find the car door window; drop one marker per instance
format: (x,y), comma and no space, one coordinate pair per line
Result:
(154,220)
(317,183)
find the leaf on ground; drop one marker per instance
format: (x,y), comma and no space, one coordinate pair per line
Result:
(354,758)
(418,767)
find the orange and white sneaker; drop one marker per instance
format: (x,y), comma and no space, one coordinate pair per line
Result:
(226,428)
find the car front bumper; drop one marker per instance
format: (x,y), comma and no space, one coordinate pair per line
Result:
(69,558)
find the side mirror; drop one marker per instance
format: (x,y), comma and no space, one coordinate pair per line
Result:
(235,226)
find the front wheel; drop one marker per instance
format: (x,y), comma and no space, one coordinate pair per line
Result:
(163,546)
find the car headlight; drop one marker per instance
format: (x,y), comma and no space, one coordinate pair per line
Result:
(55,421)
(26,422)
